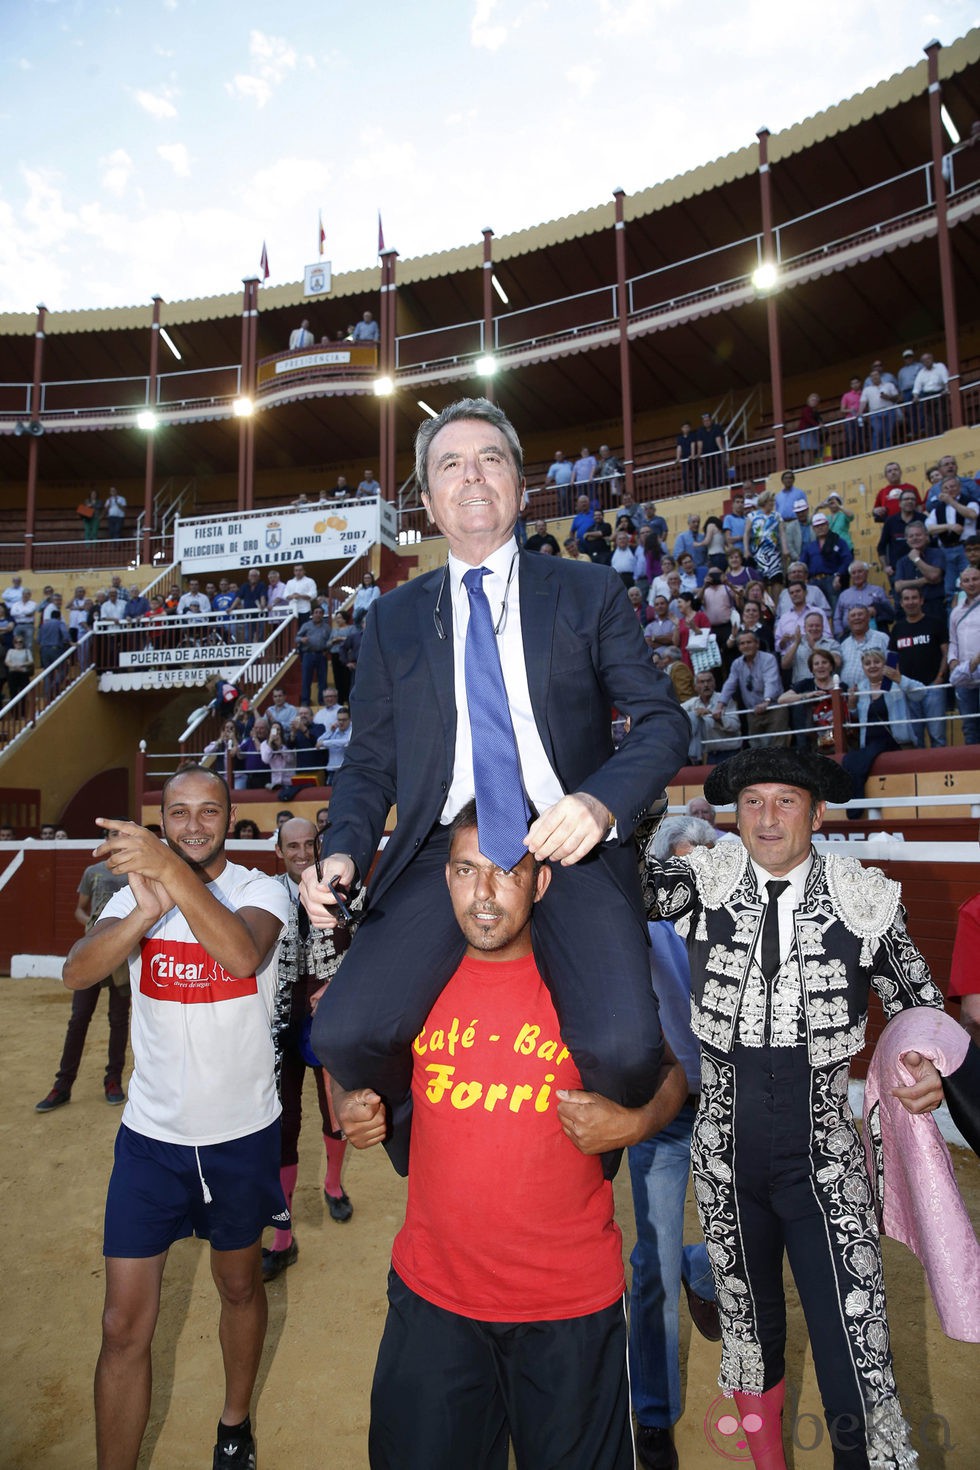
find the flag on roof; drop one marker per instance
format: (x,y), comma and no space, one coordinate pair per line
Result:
(322,235)
(381,235)
(264,262)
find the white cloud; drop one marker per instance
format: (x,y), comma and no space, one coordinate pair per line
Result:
(285,183)
(177,156)
(583,78)
(273,58)
(483,35)
(157,104)
(25,65)
(117,167)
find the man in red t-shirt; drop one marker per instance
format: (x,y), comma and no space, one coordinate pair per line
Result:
(888,497)
(506,1319)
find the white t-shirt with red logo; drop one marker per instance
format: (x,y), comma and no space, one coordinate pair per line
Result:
(202,1039)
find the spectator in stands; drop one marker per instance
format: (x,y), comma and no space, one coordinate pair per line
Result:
(560,476)
(542,537)
(627,560)
(789,625)
(861,638)
(930,396)
(839,518)
(878,400)
(892,545)
(885,706)
(686,455)
(812,432)
(712,453)
(90,515)
(787,496)
(112,609)
(301,337)
(629,508)
(115,514)
(733,523)
(826,557)
(23,614)
(754,677)
(655,522)
(225,743)
(137,604)
(350,650)
(595,542)
(312,642)
(738,576)
(369,486)
(691,621)
(583,519)
(7,832)
(907,375)
(951,520)
(610,472)
(714,543)
(340,627)
(964,655)
(924,566)
(246,831)
(764,541)
(640,608)
(250,753)
(862,593)
(719,604)
(677,671)
(280,711)
(850,407)
(251,598)
(922,645)
(276,602)
(335,742)
(715,730)
(300,592)
(797,572)
(891,492)
(367,329)
(367,594)
(756,592)
(814,714)
(304,736)
(52,641)
(584,469)
(660,586)
(814,633)
(661,627)
(688,573)
(948,466)
(194,603)
(15,592)
(692,543)
(279,758)
(20,665)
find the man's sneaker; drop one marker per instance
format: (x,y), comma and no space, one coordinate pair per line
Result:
(56,1098)
(236,1453)
(114,1094)
(274,1263)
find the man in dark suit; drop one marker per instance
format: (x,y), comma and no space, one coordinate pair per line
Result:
(570,649)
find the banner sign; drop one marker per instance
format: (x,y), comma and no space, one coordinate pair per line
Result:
(260,539)
(329,357)
(146,658)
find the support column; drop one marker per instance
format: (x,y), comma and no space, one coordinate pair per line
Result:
(625,374)
(146,552)
(249,392)
(389,257)
(34,444)
(488,344)
(946,282)
(772,311)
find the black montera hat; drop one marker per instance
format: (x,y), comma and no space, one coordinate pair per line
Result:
(822,777)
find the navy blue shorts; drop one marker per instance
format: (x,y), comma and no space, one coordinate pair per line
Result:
(156,1194)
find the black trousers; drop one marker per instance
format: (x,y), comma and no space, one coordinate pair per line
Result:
(83,1004)
(450,1392)
(592,950)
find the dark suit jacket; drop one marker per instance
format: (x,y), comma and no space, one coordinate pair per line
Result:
(584,653)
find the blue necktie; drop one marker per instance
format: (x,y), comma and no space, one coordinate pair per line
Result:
(502,810)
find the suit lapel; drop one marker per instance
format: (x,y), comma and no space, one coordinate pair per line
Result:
(538,588)
(439,652)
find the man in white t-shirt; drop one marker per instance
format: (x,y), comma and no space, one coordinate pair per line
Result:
(198,1149)
(300,592)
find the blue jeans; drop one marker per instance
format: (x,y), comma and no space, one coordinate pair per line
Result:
(933,708)
(955,562)
(659,1171)
(968,701)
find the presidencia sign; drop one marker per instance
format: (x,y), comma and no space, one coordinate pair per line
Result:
(323,532)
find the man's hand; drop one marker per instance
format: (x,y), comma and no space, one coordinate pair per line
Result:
(926,1093)
(316,897)
(568,830)
(130,849)
(361,1115)
(595,1125)
(152,898)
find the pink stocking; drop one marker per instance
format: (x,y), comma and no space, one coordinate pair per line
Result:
(762,1421)
(283,1239)
(336,1148)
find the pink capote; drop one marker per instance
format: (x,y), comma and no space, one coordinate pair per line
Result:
(919,1203)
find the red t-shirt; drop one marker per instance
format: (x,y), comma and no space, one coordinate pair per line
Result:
(506,1220)
(889,495)
(964,971)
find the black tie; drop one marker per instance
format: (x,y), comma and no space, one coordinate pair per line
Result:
(769,952)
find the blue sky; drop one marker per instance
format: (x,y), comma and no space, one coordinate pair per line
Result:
(151,145)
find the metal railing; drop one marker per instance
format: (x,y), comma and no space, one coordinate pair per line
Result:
(21,713)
